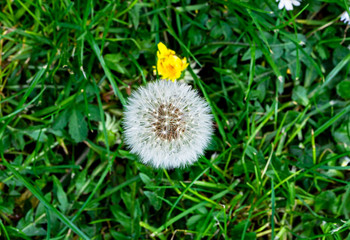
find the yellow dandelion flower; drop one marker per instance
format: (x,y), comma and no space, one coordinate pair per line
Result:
(169,65)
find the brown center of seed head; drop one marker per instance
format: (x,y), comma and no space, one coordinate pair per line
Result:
(169,122)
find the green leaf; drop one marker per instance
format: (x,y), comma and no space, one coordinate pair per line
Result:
(193,220)
(343,89)
(41,198)
(195,36)
(121,217)
(80,180)
(247,55)
(118,235)
(342,136)
(136,217)
(61,195)
(326,200)
(32,230)
(77,126)
(238,229)
(62,120)
(37,135)
(153,199)
(135,15)
(300,95)
(238,168)
(114,62)
(146,180)
(127,199)
(94,112)
(346,201)
(223,71)
(29,227)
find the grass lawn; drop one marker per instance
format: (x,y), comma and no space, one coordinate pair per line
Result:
(278,86)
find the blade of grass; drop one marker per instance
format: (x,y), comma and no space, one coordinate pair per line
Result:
(217,119)
(191,209)
(110,159)
(266,119)
(43,200)
(328,123)
(251,72)
(108,72)
(4,230)
(172,33)
(331,75)
(30,13)
(273,205)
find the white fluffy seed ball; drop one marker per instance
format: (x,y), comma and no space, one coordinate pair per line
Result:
(167,124)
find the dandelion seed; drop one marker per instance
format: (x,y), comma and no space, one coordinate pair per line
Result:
(288,4)
(170,139)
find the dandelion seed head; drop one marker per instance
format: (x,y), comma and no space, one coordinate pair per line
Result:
(166,131)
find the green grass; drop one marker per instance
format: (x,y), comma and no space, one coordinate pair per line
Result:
(278,85)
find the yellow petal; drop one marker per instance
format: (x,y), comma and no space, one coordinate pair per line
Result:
(184,64)
(162,48)
(163,51)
